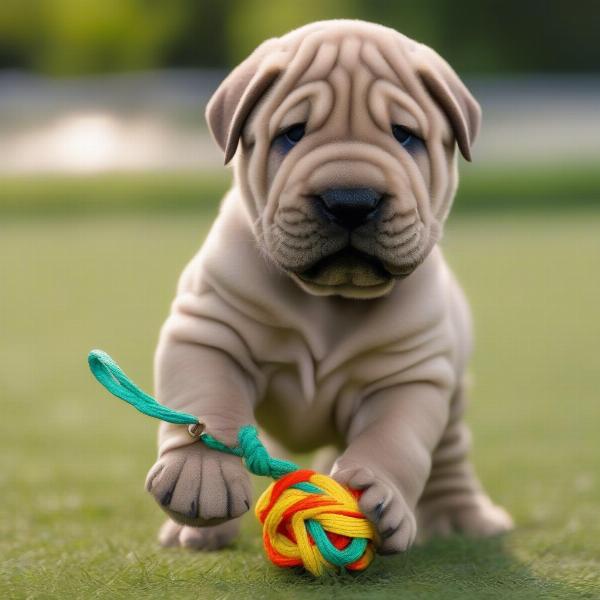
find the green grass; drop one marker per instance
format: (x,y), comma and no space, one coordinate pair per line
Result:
(76,523)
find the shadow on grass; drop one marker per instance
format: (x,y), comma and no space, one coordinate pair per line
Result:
(448,569)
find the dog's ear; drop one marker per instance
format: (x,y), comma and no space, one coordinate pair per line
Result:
(446,88)
(238,94)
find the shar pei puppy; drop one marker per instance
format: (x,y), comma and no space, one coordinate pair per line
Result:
(320,306)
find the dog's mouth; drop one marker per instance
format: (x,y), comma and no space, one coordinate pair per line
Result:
(347,267)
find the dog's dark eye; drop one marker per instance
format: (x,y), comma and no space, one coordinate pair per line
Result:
(290,137)
(295,133)
(404,136)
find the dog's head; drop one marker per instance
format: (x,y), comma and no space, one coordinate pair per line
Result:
(345,134)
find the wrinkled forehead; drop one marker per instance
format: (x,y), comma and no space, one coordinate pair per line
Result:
(366,80)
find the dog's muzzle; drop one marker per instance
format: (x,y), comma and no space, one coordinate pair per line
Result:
(349,207)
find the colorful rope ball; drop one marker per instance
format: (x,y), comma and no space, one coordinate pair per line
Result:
(312,521)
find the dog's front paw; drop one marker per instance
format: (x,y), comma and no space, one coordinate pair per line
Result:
(383,504)
(198,486)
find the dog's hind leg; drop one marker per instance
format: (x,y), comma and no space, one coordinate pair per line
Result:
(174,534)
(453,500)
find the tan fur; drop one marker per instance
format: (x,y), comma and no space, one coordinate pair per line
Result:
(276,320)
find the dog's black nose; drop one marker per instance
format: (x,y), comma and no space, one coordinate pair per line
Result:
(350,207)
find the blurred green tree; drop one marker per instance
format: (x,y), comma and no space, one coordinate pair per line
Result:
(252,21)
(66,37)
(80,36)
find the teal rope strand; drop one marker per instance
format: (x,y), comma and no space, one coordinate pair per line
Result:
(110,375)
(249,448)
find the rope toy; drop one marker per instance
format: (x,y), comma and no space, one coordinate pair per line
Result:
(308,519)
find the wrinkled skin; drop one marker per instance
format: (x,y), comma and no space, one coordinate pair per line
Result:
(356,339)
(348,96)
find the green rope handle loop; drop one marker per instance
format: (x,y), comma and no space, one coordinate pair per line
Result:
(249,448)
(111,376)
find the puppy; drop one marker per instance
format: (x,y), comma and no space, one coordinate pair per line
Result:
(320,306)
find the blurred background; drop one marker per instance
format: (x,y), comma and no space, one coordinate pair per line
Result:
(108,184)
(119,85)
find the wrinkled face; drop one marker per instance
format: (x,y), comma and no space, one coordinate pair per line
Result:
(348,166)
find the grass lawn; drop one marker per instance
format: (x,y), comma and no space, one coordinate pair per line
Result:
(75,521)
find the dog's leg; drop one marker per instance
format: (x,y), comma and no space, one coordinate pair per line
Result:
(197,486)
(390,443)
(173,534)
(453,500)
